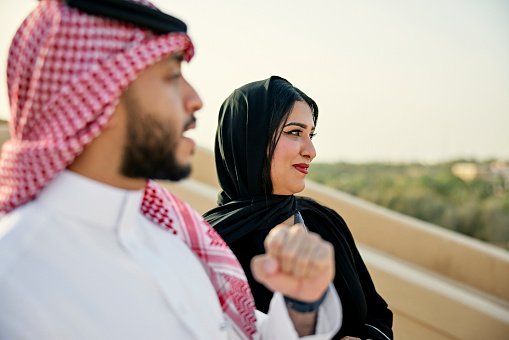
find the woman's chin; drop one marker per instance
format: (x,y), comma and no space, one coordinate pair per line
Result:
(297,189)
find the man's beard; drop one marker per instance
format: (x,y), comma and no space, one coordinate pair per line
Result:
(150,150)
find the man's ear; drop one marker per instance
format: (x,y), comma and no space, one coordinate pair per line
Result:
(118,118)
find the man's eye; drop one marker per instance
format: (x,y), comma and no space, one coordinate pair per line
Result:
(174,76)
(312,135)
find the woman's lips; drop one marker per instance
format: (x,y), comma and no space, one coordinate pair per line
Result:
(302,167)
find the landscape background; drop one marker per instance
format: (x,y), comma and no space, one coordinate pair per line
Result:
(469,197)
(406,91)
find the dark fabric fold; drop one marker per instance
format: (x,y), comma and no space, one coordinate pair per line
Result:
(241,217)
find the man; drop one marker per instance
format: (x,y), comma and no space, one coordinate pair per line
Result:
(89,248)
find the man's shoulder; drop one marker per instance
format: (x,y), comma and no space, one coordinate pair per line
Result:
(18,230)
(23,214)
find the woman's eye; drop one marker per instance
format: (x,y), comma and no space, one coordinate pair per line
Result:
(294,132)
(298,133)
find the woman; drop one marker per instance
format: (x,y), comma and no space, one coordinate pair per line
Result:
(263,150)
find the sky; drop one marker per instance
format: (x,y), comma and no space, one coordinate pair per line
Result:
(394,80)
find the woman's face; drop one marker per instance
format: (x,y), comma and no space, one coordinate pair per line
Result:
(294,152)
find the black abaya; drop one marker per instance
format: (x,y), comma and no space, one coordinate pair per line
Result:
(245,215)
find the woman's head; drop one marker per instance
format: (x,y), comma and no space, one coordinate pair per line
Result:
(251,122)
(292,119)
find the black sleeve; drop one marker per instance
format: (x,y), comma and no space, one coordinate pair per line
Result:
(378,325)
(366,314)
(379,317)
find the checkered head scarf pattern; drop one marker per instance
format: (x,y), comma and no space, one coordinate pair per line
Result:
(225,272)
(66,71)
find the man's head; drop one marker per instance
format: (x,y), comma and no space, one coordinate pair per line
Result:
(159,107)
(67,72)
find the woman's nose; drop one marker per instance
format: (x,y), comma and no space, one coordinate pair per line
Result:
(308,150)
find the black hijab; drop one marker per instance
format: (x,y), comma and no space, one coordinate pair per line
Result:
(240,149)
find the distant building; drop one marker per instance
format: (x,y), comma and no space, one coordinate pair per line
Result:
(465,171)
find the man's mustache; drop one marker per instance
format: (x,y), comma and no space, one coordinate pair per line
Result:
(190,123)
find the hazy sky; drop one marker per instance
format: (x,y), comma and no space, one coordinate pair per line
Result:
(395,80)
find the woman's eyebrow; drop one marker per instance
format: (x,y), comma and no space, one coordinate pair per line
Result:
(304,126)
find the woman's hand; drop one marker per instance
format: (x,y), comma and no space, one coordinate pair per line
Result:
(297,264)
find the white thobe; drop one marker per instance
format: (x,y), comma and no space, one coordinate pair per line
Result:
(82,262)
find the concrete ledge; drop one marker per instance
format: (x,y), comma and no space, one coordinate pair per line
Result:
(4,131)
(450,254)
(427,300)
(201,196)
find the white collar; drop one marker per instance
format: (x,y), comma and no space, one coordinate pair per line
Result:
(87,199)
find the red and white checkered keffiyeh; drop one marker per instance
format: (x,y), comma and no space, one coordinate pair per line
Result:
(223,268)
(66,71)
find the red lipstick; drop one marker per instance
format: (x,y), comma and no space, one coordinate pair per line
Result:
(302,167)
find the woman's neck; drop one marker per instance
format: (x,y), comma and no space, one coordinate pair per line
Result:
(290,221)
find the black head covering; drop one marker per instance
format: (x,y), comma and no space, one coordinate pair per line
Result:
(240,149)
